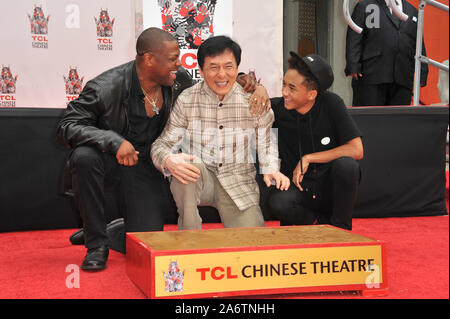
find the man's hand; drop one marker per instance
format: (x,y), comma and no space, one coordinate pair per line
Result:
(180,169)
(300,172)
(127,155)
(281,181)
(247,82)
(356,76)
(259,102)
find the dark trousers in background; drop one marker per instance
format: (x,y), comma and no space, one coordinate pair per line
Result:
(335,194)
(380,94)
(139,188)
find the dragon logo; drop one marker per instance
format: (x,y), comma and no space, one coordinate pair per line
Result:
(73,82)
(38,22)
(104,24)
(8,81)
(174,278)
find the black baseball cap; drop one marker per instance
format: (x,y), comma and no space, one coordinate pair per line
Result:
(319,68)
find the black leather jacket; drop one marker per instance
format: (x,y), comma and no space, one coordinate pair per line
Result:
(99,117)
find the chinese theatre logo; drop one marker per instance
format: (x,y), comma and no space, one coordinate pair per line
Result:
(8,87)
(104,31)
(73,84)
(190,22)
(174,278)
(39,28)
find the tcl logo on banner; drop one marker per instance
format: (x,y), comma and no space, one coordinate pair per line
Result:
(104,31)
(7,87)
(190,63)
(73,84)
(39,28)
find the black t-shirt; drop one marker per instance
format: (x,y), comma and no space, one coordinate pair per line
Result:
(326,126)
(143,130)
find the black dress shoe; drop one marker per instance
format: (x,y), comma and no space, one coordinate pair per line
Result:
(116,235)
(95,259)
(77,238)
(115,231)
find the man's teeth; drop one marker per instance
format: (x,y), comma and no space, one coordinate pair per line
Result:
(221,83)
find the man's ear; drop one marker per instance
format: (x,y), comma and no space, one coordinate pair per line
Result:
(311,95)
(201,72)
(149,60)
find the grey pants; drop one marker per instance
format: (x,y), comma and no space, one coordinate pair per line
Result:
(207,191)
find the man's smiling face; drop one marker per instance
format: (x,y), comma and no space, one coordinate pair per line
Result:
(220,72)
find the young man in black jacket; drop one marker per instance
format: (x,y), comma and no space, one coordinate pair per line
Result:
(110,128)
(319,145)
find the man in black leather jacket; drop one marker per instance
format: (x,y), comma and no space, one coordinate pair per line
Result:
(110,128)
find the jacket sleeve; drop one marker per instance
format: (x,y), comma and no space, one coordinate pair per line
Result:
(183,81)
(267,144)
(79,124)
(354,42)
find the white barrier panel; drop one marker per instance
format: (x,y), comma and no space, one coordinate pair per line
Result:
(257,26)
(51,48)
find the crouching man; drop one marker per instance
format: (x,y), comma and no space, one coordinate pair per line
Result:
(319,146)
(207,122)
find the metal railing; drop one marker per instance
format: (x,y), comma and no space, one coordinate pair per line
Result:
(348,18)
(419,40)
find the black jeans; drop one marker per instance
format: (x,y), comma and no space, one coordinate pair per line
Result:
(140,188)
(335,196)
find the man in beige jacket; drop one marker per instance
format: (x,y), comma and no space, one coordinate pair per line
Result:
(213,125)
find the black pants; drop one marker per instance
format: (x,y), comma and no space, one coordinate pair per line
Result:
(140,188)
(335,196)
(380,94)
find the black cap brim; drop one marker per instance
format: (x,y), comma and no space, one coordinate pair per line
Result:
(323,74)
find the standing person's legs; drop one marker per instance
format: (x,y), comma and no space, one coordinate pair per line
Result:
(189,197)
(369,94)
(399,95)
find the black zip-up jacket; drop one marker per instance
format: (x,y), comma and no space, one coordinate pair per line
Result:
(384,53)
(98,117)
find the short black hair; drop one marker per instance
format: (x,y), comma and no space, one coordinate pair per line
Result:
(310,81)
(217,45)
(151,39)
